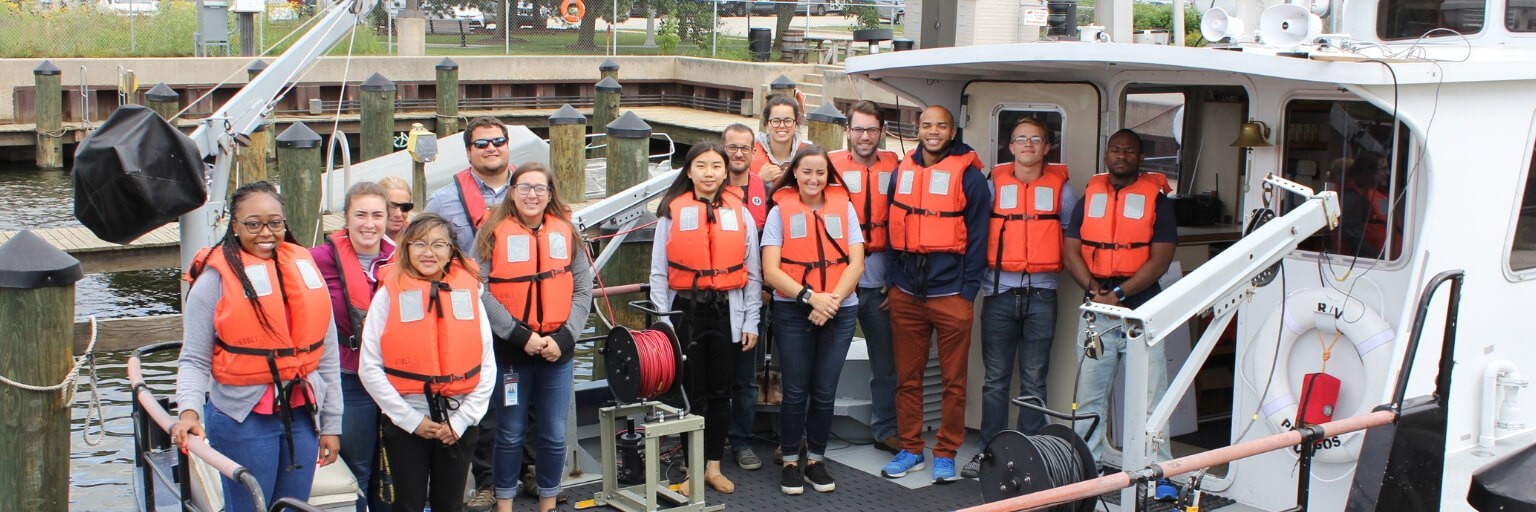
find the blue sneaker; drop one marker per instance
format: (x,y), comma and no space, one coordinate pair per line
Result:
(1166,490)
(944,470)
(904,462)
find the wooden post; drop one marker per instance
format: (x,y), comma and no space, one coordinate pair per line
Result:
(378,131)
(825,126)
(567,153)
(298,166)
(163,101)
(37,306)
(605,103)
(128,86)
(629,144)
(608,69)
(447,98)
(50,116)
(251,159)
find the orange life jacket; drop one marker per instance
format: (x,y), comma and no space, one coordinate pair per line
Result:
(1117,224)
(531,272)
(815,250)
(1024,233)
(706,246)
(1376,224)
(473,203)
(760,155)
(356,290)
(867,187)
(755,198)
(294,302)
(928,208)
(197,265)
(432,341)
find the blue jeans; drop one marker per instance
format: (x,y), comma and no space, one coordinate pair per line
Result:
(876,324)
(360,439)
(1096,376)
(1015,328)
(544,390)
(812,361)
(260,446)
(744,391)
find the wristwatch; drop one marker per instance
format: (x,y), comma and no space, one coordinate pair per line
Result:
(805,296)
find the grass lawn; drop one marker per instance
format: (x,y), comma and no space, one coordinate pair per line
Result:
(563,42)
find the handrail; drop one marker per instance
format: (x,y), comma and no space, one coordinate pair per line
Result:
(1448,344)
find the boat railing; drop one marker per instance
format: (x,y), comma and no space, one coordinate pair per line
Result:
(152,424)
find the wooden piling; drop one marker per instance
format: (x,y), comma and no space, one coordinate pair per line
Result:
(629,144)
(605,103)
(162,100)
(50,115)
(251,159)
(298,164)
(608,69)
(378,117)
(826,127)
(37,306)
(447,98)
(567,153)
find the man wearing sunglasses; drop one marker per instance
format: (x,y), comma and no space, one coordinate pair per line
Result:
(466,201)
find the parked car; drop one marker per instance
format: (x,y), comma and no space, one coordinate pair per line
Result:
(893,10)
(129,7)
(764,7)
(457,12)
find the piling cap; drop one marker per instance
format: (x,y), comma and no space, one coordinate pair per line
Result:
(46,68)
(27,261)
(827,114)
(629,126)
(782,82)
(608,65)
(256,67)
(567,115)
(447,64)
(298,136)
(609,85)
(377,83)
(161,93)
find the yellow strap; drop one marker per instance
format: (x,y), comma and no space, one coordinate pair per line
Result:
(1328,347)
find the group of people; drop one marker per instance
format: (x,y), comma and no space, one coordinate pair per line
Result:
(435,349)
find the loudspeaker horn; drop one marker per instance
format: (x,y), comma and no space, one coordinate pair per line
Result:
(1289,25)
(1218,24)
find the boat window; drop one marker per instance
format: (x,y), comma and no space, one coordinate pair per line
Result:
(1412,19)
(1520,16)
(1158,117)
(1522,253)
(1346,146)
(1009,117)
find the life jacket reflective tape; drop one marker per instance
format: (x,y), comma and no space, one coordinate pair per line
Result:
(531,272)
(432,341)
(815,246)
(928,206)
(754,198)
(1024,232)
(294,303)
(356,289)
(707,244)
(1117,224)
(470,197)
(867,188)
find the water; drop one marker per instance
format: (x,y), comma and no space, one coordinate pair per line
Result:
(101,476)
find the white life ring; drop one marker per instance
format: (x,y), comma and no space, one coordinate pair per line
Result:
(1329,313)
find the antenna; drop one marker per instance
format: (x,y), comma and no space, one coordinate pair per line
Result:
(1289,26)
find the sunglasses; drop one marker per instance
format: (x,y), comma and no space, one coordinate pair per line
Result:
(483,143)
(403,207)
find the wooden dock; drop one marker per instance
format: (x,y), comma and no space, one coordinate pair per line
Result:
(160,248)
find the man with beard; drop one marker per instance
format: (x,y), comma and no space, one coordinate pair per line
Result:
(938,240)
(738,141)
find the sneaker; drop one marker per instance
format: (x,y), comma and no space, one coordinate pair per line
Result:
(820,480)
(904,462)
(483,500)
(791,482)
(944,470)
(1166,490)
(748,460)
(890,445)
(971,469)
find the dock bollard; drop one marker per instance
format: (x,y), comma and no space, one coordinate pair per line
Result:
(825,126)
(37,304)
(605,102)
(251,160)
(163,101)
(608,69)
(629,144)
(298,168)
(447,98)
(378,118)
(50,115)
(567,153)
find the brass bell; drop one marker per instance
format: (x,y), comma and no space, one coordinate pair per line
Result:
(1254,134)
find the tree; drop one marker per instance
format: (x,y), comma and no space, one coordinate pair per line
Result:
(786,13)
(586,36)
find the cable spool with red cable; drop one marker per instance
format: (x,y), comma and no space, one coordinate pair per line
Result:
(644,364)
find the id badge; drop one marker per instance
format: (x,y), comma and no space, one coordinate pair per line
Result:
(509,389)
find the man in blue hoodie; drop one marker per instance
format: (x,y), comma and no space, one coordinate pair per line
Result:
(938,239)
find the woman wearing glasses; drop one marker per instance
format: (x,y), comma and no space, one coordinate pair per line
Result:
(780,138)
(704,262)
(259,324)
(537,270)
(349,260)
(398,193)
(426,359)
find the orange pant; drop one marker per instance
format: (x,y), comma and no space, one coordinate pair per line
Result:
(913,323)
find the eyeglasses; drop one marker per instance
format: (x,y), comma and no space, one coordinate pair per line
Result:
(403,207)
(1029,140)
(864,131)
(781,121)
(482,143)
(535,190)
(737,148)
(438,246)
(254,227)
